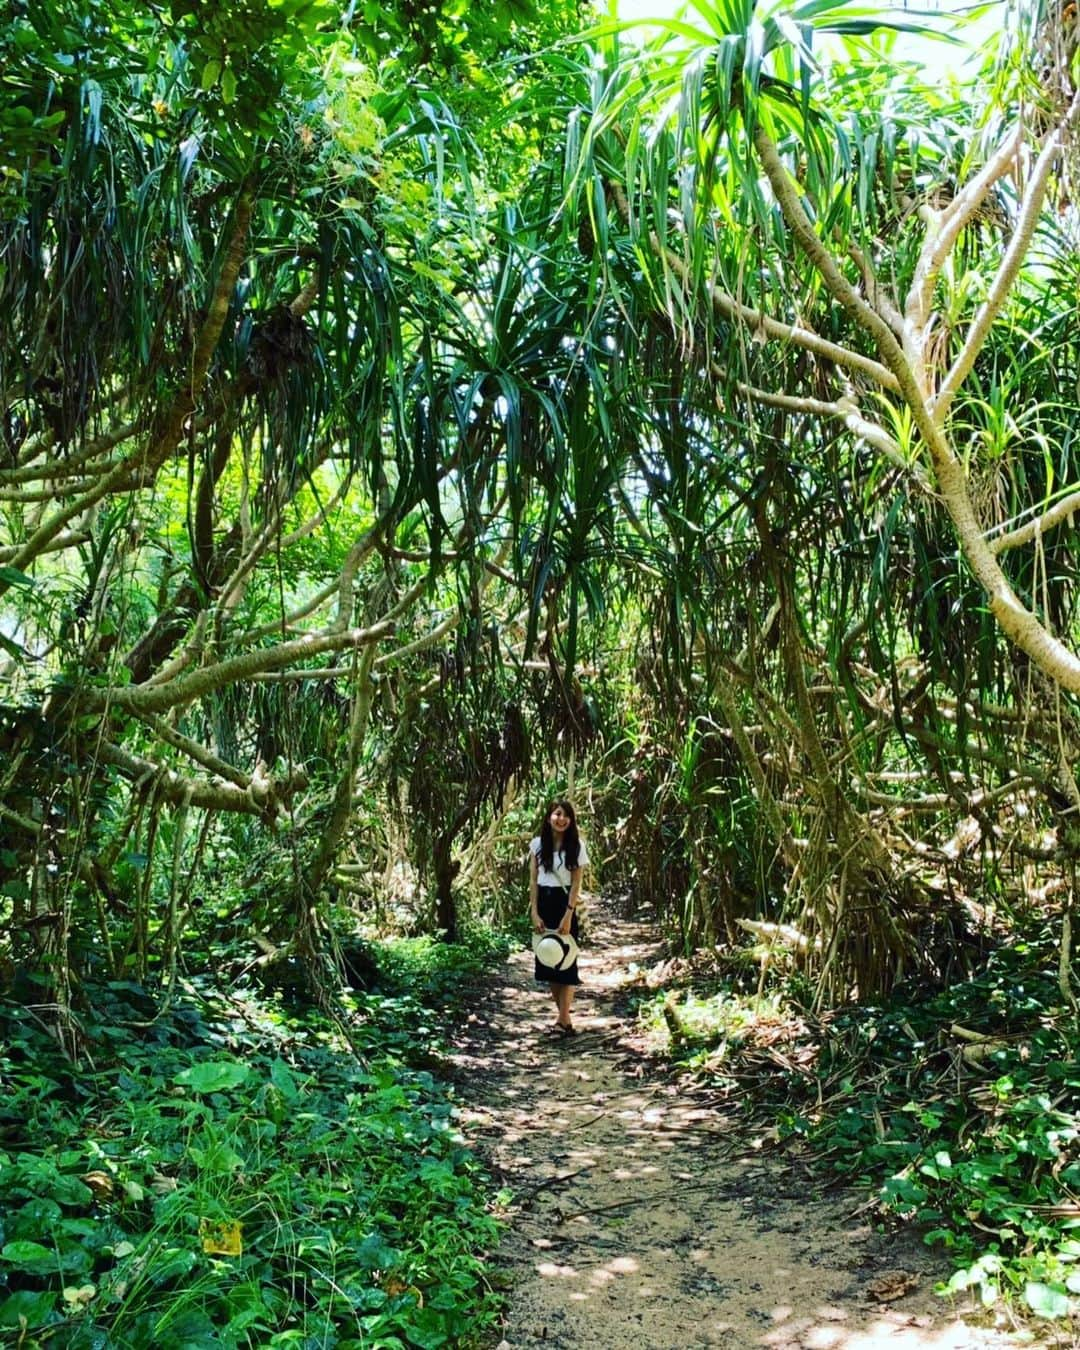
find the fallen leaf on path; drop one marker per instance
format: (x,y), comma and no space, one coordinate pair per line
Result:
(892,1286)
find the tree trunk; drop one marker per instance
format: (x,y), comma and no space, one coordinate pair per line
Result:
(446,870)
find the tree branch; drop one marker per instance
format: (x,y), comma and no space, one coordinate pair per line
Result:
(69,539)
(261,798)
(140,468)
(847,411)
(194,751)
(1024,534)
(276,626)
(946,226)
(1010,264)
(161,697)
(796,334)
(71,464)
(1018,624)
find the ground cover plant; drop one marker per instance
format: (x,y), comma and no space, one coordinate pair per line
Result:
(237,1173)
(955,1109)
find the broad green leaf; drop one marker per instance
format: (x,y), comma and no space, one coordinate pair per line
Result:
(36,1218)
(170,1263)
(215,1075)
(1046,1300)
(29,1307)
(68,1190)
(31,1256)
(284,1080)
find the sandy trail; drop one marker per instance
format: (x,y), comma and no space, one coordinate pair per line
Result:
(642,1217)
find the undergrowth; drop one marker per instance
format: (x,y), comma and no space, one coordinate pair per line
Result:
(230,1174)
(958,1107)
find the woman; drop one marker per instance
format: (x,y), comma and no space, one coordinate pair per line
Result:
(556,857)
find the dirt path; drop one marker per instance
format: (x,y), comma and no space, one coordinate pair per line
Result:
(643,1218)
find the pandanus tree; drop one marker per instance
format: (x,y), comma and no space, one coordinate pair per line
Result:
(223,246)
(856,284)
(201,324)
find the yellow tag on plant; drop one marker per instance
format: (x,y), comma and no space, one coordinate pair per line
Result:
(221,1238)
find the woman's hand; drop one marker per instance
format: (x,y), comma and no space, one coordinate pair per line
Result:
(538,923)
(568,919)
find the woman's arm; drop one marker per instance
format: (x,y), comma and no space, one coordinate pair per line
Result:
(538,923)
(575,886)
(571,900)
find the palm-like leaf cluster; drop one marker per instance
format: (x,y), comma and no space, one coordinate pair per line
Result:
(727,420)
(806,485)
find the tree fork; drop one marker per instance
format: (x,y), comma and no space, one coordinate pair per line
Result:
(1019,624)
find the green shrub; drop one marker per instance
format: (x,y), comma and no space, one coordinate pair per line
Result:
(244,1184)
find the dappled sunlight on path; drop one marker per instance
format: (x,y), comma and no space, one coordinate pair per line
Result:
(642,1217)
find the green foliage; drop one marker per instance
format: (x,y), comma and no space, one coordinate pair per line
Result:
(243,56)
(237,1183)
(434,972)
(988,1162)
(960,1107)
(688,835)
(458,753)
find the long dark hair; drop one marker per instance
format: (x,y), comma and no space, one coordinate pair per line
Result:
(571,843)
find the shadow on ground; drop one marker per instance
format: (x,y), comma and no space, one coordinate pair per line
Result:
(642,1217)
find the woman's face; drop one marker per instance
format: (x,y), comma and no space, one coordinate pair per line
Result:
(560,819)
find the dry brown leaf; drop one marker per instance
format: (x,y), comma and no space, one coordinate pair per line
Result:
(395,1287)
(892,1286)
(100,1183)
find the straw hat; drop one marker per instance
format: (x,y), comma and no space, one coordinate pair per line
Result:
(557,951)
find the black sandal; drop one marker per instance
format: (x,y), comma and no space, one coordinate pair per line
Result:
(566,1028)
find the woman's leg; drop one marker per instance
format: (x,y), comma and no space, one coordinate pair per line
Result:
(565,999)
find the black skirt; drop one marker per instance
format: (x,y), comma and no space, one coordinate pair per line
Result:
(551,901)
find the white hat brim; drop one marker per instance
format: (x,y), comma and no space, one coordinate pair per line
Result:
(551,944)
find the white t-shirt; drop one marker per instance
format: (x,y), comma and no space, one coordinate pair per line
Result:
(560,873)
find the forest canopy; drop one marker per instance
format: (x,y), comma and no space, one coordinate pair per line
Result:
(401,409)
